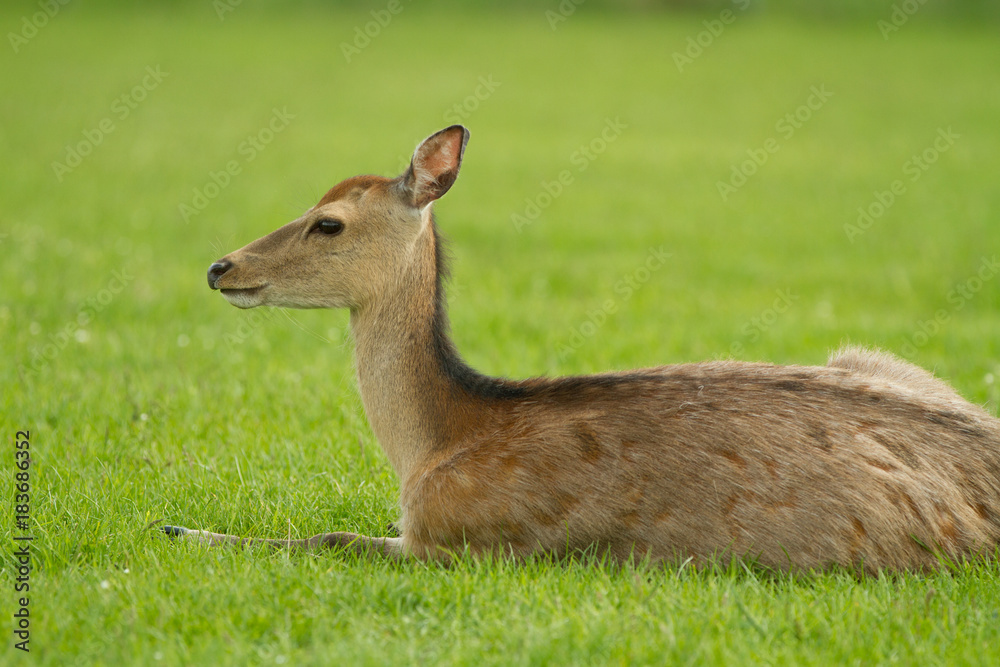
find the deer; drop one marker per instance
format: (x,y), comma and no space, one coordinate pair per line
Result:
(869,463)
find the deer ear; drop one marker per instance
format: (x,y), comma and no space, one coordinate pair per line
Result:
(435,164)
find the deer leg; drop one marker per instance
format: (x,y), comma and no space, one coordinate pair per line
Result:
(387,547)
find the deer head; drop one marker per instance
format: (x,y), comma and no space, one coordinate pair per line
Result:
(345,250)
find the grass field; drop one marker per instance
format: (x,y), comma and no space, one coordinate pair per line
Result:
(147,397)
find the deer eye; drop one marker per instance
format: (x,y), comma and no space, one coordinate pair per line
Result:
(331,227)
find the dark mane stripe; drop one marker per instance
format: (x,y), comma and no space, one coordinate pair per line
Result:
(454,367)
(483,386)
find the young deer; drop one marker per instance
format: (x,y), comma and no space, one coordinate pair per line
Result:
(868,462)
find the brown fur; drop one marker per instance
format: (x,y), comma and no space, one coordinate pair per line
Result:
(352,186)
(868,462)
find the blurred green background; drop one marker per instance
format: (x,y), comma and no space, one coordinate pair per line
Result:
(816,172)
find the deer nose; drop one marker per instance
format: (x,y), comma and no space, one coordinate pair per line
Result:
(216,270)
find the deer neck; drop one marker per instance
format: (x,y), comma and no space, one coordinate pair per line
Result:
(414,408)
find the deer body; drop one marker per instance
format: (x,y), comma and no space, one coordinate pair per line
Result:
(867,462)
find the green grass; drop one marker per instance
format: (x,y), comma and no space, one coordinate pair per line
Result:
(170,404)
